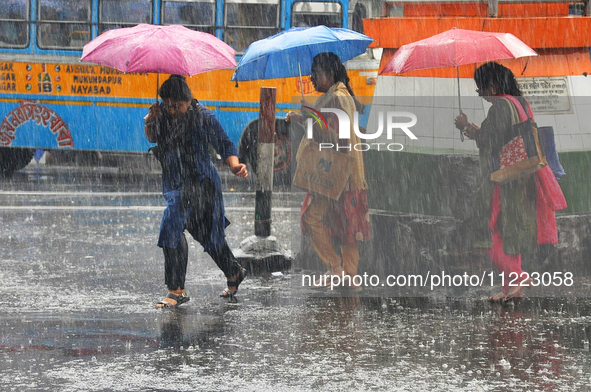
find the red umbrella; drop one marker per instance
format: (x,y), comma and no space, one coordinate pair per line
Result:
(457,47)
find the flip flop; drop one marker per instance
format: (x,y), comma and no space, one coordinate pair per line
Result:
(227,293)
(180,299)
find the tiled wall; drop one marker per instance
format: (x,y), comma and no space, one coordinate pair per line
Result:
(425,178)
(435,102)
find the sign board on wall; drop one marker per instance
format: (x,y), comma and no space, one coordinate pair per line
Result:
(546,95)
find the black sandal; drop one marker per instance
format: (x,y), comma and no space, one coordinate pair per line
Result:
(180,299)
(227,293)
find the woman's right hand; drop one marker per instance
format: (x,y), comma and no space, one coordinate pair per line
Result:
(154,113)
(294,117)
(461,121)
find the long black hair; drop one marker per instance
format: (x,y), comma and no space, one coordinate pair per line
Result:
(499,76)
(176,88)
(330,63)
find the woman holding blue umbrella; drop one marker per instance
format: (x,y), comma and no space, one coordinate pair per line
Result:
(347,218)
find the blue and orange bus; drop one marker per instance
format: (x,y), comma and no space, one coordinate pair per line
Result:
(49,100)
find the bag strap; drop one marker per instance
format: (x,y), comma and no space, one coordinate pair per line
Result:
(522,115)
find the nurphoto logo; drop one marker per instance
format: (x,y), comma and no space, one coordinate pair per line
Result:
(345,128)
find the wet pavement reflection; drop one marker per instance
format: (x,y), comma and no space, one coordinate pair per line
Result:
(80,274)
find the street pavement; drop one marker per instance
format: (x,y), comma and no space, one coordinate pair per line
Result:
(81,273)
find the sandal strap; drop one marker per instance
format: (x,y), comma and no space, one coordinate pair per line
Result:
(177,298)
(241,275)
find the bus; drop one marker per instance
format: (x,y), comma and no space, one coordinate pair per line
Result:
(51,101)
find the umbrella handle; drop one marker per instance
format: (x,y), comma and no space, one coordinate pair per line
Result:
(157,85)
(459,98)
(301,83)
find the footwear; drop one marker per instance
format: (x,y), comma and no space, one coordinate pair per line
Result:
(514,294)
(323,280)
(498,298)
(228,293)
(179,300)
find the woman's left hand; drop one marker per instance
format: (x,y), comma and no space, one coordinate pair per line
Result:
(239,170)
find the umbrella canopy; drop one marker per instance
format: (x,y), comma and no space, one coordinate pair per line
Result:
(456,47)
(171,49)
(290,53)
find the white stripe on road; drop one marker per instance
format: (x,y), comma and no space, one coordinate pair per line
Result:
(100,194)
(41,193)
(124,208)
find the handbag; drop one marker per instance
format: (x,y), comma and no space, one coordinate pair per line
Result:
(522,153)
(349,218)
(546,135)
(324,172)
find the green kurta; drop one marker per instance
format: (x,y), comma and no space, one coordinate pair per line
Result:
(518,198)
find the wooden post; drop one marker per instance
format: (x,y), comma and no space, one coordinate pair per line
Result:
(265,160)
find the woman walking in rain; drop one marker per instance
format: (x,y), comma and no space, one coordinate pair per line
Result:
(516,217)
(348,218)
(183,130)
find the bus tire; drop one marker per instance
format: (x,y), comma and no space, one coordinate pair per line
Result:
(287,140)
(13,159)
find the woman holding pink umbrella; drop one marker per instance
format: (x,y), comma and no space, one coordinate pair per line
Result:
(183,130)
(517,217)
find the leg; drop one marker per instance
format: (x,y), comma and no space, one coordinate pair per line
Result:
(225,260)
(175,271)
(175,264)
(509,265)
(200,225)
(235,274)
(350,254)
(313,221)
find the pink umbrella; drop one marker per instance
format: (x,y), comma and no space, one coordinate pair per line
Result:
(171,49)
(456,47)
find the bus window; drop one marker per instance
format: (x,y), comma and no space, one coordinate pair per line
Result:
(359,13)
(395,10)
(196,15)
(305,14)
(63,24)
(14,16)
(247,21)
(114,14)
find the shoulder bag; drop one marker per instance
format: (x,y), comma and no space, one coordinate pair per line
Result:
(522,153)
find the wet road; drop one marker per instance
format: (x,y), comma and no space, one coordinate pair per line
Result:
(80,274)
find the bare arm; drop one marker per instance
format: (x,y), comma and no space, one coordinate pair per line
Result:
(236,167)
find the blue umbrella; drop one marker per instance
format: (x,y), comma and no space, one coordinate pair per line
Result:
(290,53)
